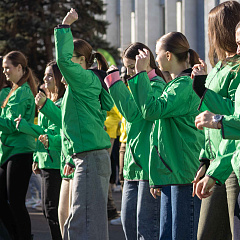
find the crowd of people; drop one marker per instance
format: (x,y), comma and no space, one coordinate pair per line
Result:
(179,163)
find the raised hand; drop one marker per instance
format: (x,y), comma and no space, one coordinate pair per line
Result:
(142,60)
(40,99)
(199,69)
(70,18)
(205,119)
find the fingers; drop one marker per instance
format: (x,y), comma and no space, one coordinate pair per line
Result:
(153,193)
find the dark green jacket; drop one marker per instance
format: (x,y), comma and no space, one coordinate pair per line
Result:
(83,115)
(13,142)
(176,141)
(3,94)
(136,158)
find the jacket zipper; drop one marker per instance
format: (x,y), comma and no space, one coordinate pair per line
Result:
(163,160)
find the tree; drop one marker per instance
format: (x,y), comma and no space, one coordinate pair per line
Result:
(27,26)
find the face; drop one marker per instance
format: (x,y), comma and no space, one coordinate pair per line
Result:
(13,74)
(161,58)
(49,79)
(238,40)
(130,66)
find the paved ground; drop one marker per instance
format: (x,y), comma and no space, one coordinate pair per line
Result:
(41,231)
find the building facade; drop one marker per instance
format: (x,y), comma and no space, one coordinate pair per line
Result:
(147,20)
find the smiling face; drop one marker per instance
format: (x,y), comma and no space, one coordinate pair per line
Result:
(12,73)
(130,66)
(48,79)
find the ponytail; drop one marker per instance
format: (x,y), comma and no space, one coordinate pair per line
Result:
(101,61)
(193,57)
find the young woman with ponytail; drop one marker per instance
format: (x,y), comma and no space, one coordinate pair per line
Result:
(176,141)
(16,149)
(83,112)
(139,208)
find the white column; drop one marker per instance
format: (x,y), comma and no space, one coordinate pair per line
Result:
(189,22)
(170,15)
(125,23)
(113,29)
(140,20)
(154,23)
(208,5)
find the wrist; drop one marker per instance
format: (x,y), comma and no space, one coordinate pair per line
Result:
(216,120)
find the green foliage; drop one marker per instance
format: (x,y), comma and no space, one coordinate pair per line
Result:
(27,26)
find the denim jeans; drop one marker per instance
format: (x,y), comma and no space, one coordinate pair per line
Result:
(88,213)
(140,213)
(179,213)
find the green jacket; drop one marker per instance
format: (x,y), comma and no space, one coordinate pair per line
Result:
(176,141)
(3,94)
(83,115)
(13,142)
(224,80)
(136,158)
(227,158)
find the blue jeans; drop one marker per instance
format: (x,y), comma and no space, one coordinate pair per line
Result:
(88,214)
(179,213)
(140,213)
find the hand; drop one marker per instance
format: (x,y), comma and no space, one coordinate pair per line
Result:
(67,170)
(205,119)
(142,60)
(40,99)
(203,187)
(155,192)
(35,168)
(200,173)
(199,69)
(44,140)
(70,18)
(18,120)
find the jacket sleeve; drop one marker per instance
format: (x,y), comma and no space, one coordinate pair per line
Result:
(125,101)
(215,103)
(52,112)
(54,142)
(74,74)
(221,167)
(231,127)
(174,101)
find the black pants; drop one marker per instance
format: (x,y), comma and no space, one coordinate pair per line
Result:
(14,179)
(51,184)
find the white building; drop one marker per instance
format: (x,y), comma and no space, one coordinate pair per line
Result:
(147,20)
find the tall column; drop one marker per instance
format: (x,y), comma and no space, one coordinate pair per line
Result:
(113,29)
(140,20)
(154,22)
(208,5)
(170,15)
(125,22)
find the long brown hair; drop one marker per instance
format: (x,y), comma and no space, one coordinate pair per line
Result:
(177,43)
(3,80)
(59,86)
(222,21)
(83,48)
(17,58)
(132,51)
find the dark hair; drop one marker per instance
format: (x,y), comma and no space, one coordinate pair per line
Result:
(17,58)
(83,48)
(177,43)
(60,89)
(132,51)
(3,80)
(222,22)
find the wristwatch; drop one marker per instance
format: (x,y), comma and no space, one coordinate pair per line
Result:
(216,119)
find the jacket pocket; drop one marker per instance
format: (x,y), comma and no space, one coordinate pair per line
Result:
(134,159)
(165,164)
